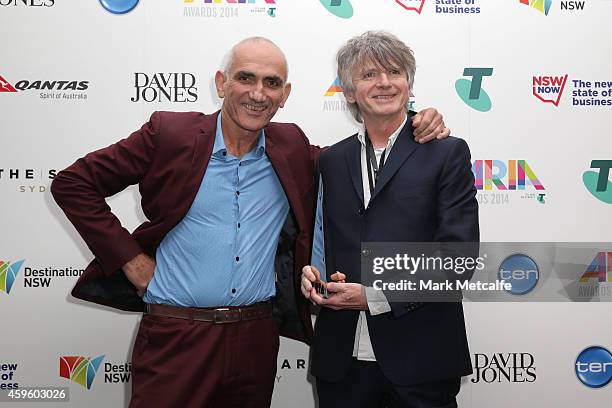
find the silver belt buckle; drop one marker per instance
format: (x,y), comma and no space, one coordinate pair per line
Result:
(220,312)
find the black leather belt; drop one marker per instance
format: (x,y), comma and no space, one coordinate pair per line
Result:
(218,315)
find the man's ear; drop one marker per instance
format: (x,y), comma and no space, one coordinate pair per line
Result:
(286,95)
(349,96)
(219,81)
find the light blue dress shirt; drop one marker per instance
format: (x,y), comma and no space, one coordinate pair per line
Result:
(222,252)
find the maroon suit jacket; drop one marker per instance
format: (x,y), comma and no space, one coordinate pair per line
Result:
(167,158)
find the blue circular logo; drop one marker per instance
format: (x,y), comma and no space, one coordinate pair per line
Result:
(521,272)
(119,6)
(594,366)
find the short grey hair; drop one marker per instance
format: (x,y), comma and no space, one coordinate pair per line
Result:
(381,48)
(228,61)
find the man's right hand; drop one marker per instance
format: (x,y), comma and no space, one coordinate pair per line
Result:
(140,271)
(310,275)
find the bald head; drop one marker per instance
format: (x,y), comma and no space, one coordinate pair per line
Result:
(256,47)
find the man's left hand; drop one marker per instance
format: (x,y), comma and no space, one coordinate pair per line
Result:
(342,296)
(428,125)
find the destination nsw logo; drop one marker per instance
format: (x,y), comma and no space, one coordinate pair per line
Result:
(504,367)
(8,274)
(165,87)
(505,178)
(52,89)
(81,370)
(38,277)
(544,6)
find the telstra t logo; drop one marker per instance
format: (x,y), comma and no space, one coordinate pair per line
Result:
(471,92)
(339,8)
(598,183)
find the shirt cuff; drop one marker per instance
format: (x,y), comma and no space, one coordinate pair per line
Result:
(377,301)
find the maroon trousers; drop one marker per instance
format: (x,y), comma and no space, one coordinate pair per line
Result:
(183,363)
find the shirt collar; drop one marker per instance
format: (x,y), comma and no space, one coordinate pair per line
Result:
(219,148)
(361,135)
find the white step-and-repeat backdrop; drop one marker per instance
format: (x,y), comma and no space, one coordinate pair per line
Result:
(528,83)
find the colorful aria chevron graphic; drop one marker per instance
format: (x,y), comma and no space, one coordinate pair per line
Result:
(8,273)
(600,269)
(543,6)
(489,173)
(334,88)
(79,369)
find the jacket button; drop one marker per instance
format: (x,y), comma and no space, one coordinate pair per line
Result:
(366,252)
(360,211)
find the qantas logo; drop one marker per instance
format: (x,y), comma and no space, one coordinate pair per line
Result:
(5,86)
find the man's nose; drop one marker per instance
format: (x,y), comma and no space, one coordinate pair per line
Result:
(383,80)
(256,93)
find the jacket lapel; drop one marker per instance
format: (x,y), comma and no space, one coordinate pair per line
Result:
(403,147)
(202,150)
(353,160)
(282,168)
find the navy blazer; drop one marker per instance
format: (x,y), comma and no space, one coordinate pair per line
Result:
(424,193)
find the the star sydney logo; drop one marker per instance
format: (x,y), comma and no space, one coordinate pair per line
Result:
(81,370)
(8,274)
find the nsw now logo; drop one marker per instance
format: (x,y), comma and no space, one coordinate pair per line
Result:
(548,88)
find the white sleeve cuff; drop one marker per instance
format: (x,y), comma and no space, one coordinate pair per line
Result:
(377,301)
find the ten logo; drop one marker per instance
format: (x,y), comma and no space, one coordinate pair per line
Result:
(471,92)
(594,366)
(119,6)
(598,183)
(521,272)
